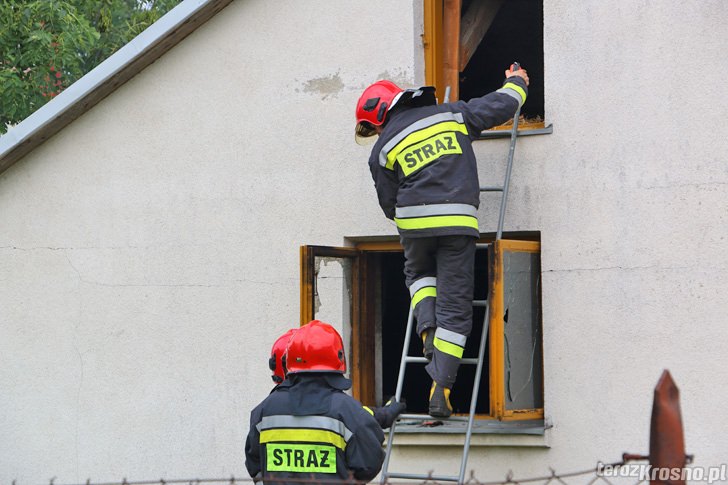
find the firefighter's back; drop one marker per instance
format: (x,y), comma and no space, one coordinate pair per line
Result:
(309,429)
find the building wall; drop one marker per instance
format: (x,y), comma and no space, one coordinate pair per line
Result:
(149,251)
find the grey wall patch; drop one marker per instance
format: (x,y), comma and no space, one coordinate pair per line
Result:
(399,77)
(327,86)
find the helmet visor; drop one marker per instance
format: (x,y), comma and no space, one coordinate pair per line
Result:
(364,133)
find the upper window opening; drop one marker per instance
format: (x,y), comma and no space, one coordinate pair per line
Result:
(469,43)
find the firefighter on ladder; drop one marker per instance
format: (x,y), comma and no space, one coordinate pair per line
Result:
(426,179)
(308,428)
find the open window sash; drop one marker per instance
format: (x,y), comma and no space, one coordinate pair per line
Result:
(332,291)
(515,333)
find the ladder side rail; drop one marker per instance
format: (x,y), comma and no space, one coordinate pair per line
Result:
(405,349)
(509,167)
(474,397)
(398,393)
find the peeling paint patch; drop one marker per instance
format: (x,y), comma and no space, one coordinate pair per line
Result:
(325,86)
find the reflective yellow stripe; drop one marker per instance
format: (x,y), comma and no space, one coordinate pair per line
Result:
(421,135)
(302,435)
(517,89)
(367,409)
(437,221)
(294,457)
(423,293)
(448,348)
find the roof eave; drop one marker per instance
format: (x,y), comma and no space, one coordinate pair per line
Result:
(124,64)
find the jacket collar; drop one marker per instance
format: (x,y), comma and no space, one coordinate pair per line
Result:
(333,379)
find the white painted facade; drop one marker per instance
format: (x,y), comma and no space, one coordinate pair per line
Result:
(149,251)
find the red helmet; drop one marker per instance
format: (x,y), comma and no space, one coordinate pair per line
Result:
(379,98)
(277,361)
(372,107)
(316,347)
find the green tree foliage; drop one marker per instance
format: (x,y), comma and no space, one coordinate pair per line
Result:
(46,45)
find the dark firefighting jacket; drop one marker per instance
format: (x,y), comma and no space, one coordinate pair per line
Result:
(308,429)
(423,164)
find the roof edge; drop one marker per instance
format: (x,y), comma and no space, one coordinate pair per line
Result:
(105,78)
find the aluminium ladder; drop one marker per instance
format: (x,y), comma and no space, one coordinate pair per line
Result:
(410,359)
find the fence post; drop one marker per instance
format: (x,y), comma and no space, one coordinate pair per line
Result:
(667,444)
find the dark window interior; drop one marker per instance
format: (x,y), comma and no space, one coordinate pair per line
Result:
(516,34)
(394,311)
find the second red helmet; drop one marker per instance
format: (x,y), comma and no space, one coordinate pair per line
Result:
(277,361)
(316,347)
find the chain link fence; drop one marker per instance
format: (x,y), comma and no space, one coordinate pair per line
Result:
(610,474)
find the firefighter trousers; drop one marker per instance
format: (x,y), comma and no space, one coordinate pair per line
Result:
(439,273)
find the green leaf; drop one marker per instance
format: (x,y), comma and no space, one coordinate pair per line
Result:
(75,36)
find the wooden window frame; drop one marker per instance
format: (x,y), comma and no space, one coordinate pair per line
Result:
(361,366)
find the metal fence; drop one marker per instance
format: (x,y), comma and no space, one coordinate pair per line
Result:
(588,477)
(625,472)
(665,464)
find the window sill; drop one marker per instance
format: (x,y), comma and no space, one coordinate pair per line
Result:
(506,133)
(531,433)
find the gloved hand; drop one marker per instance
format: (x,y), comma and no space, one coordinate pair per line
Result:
(387,414)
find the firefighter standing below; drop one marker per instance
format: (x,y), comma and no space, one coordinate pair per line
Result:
(308,428)
(385,415)
(426,178)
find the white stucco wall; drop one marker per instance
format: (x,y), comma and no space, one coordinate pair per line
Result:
(149,251)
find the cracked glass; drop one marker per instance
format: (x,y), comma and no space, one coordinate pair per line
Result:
(522,330)
(332,295)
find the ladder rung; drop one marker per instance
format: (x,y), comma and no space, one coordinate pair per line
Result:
(427,417)
(481,246)
(411,359)
(415,360)
(414,476)
(491,188)
(480,302)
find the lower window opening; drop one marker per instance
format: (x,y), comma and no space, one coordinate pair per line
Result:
(395,301)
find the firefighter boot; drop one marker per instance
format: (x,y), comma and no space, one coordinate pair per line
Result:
(428,343)
(440,401)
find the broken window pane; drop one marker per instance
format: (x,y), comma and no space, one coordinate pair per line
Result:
(332,295)
(522,330)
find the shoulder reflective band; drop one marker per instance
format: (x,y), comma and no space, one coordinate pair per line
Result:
(368,409)
(436,215)
(302,436)
(293,457)
(449,342)
(515,91)
(310,422)
(418,132)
